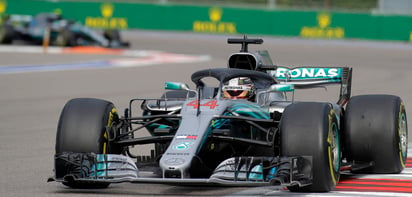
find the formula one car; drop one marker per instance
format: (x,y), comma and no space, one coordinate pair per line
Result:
(58,31)
(217,134)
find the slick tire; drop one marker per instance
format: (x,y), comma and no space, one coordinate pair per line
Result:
(376,131)
(82,129)
(312,129)
(112,34)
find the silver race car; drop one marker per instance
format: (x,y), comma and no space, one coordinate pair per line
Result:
(247,129)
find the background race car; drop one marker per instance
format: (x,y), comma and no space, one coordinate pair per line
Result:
(52,28)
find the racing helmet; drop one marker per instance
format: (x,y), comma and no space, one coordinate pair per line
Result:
(239,88)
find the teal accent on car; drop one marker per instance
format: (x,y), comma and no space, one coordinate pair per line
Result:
(256,173)
(175,86)
(100,169)
(218,123)
(151,127)
(283,87)
(271,174)
(249,109)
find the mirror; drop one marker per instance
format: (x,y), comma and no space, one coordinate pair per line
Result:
(282,87)
(176,86)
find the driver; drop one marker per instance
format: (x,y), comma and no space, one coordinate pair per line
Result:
(239,88)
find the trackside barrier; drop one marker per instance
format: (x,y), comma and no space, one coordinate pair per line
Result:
(227,20)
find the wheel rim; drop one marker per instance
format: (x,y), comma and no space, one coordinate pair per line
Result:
(334,146)
(403,135)
(60,41)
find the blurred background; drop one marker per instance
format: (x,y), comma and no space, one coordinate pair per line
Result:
(311,19)
(355,5)
(388,6)
(382,6)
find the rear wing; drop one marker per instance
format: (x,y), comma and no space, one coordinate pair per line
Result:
(309,77)
(300,77)
(17,18)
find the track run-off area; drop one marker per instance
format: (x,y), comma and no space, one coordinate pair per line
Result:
(35,83)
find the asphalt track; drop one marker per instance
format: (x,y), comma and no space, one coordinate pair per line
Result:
(35,85)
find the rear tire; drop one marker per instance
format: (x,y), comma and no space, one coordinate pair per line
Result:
(82,129)
(376,131)
(312,129)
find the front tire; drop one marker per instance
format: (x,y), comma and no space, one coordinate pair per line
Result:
(66,38)
(376,131)
(312,129)
(112,34)
(82,129)
(6,34)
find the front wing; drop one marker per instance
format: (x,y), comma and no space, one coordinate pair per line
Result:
(235,171)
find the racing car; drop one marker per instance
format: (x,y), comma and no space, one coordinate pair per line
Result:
(243,129)
(58,32)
